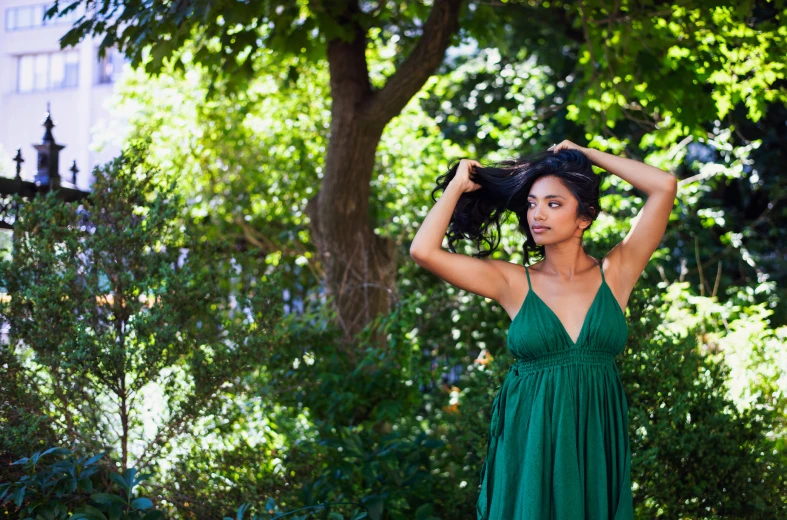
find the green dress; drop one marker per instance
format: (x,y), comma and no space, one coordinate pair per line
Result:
(558,444)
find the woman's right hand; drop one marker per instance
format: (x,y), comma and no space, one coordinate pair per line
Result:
(462,177)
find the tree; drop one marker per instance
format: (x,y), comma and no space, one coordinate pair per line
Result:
(227,37)
(131,325)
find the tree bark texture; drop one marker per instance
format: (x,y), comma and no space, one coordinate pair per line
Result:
(360,266)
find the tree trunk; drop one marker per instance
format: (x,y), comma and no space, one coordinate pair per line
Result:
(360,266)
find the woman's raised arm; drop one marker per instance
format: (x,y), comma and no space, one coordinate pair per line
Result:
(480,276)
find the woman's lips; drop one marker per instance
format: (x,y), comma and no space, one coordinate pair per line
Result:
(540,229)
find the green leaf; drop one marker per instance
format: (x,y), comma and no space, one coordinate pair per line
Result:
(141,503)
(88,512)
(117,478)
(107,498)
(424,512)
(19,495)
(374,505)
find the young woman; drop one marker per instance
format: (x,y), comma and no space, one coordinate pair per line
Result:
(558,440)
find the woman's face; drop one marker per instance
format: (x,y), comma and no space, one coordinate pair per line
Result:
(553,206)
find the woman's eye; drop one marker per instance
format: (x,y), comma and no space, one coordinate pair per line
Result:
(556,205)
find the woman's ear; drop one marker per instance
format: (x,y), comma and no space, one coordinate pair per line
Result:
(586,221)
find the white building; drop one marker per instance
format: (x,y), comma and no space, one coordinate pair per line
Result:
(76,83)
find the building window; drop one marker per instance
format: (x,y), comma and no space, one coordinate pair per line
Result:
(50,71)
(32,16)
(110,66)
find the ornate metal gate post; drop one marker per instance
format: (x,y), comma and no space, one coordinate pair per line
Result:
(47,178)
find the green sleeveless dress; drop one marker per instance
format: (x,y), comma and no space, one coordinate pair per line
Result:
(558,444)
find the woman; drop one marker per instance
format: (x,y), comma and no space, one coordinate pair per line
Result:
(558,443)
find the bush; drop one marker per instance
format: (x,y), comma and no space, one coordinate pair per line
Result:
(76,488)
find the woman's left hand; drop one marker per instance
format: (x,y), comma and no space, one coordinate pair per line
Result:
(565,145)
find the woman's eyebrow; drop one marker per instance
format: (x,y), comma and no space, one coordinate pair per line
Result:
(547,196)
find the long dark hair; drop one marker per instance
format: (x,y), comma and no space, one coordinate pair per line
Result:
(505,186)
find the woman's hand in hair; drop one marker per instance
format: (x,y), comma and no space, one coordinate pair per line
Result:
(566,145)
(462,177)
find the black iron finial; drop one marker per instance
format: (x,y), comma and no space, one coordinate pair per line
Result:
(74,170)
(48,124)
(18,160)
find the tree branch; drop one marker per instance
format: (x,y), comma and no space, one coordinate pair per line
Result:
(416,69)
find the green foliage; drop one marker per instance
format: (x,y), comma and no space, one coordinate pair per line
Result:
(324,510)
(673,67)
(24,424)
(372,510)
(640,63)
(129,322)
(695,453)
(76,488)
(246,164)
(390,472)
(229,38)
(313,460)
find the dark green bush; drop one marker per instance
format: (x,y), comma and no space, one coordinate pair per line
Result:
(74,487)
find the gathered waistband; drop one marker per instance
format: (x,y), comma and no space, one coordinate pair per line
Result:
(564,357)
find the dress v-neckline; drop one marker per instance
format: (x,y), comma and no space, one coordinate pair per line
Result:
(562,327)
(554,314)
